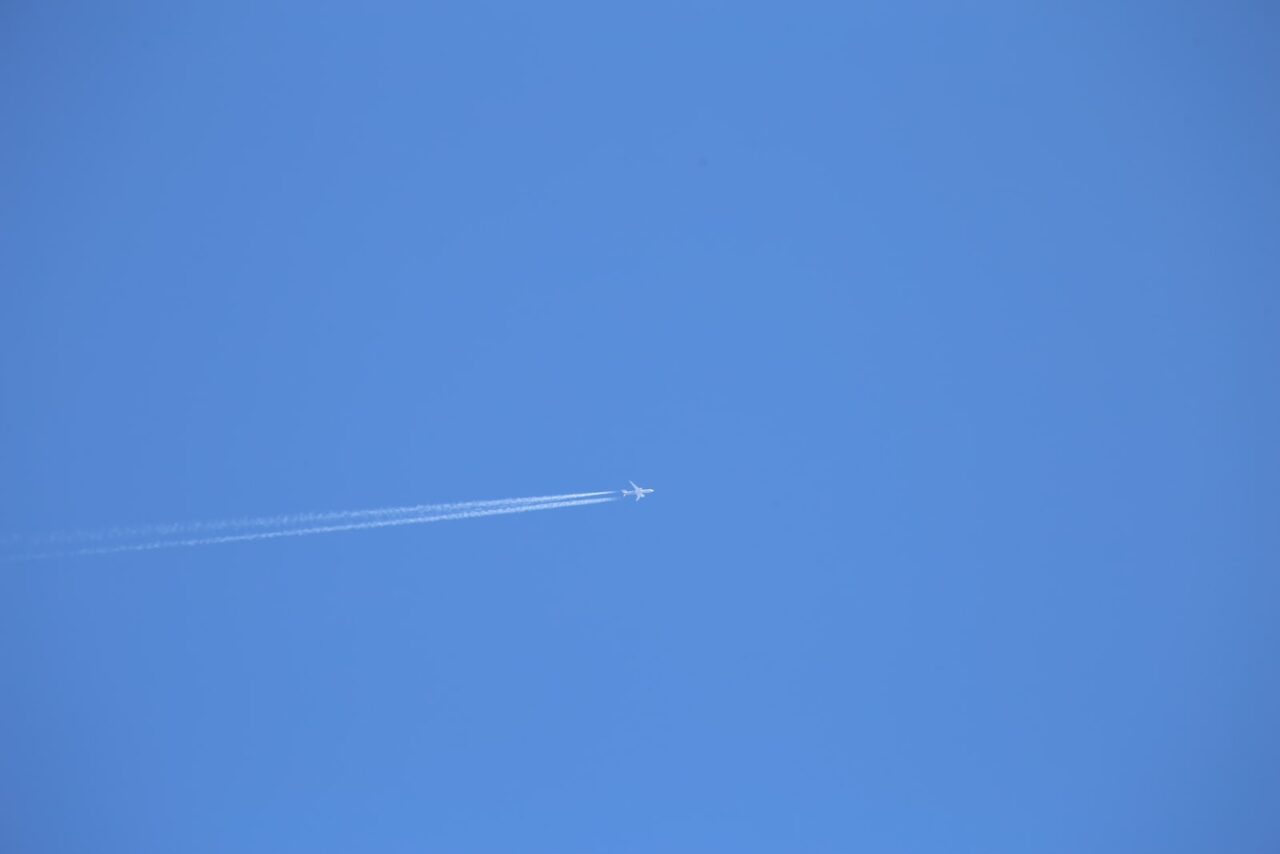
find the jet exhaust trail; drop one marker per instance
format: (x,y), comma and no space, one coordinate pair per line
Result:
(282,521)
(504,509)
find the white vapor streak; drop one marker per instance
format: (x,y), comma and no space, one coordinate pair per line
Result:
(321,529)
(177,528)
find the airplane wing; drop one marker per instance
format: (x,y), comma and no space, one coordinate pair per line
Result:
(633,484)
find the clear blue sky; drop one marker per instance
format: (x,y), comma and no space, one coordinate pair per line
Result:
(948,334)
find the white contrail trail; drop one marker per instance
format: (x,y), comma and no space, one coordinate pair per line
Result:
(321,529)
(177,528)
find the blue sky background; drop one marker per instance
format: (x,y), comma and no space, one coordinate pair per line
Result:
(946,332)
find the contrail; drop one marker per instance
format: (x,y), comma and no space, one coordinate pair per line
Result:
(284,521)
(505,509)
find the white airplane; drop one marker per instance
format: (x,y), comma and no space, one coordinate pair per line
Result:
(638,491)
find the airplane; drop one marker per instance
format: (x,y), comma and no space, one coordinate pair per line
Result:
(638,491)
